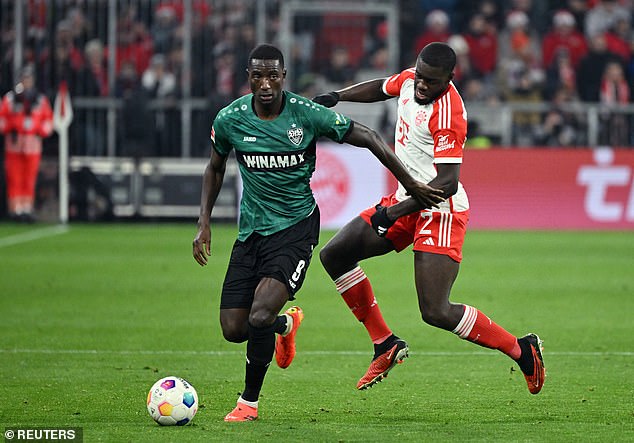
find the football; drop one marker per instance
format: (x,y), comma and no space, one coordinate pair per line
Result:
(172,401)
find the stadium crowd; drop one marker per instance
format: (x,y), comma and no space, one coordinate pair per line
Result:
(564,52)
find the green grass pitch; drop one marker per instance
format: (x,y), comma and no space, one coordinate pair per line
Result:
(92,316)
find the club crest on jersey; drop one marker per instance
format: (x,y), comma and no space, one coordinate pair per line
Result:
(296,135)
(421,116)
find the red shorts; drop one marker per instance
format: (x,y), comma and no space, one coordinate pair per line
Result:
(429,231)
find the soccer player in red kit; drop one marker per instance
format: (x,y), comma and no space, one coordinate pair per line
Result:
(429,139)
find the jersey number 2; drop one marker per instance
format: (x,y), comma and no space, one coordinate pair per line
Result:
(429,217)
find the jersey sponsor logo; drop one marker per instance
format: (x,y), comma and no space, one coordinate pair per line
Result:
(272,162)
(247,138)
(444,143)
(295,135)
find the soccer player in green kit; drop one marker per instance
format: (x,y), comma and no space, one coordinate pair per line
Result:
(274,133)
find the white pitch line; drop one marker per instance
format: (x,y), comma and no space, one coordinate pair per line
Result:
(309,353)
(35,234)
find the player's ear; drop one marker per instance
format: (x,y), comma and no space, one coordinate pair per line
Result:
(284,73)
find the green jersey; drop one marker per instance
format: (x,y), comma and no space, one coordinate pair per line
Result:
(276,158)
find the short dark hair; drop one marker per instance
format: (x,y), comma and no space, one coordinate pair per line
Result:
(266,52)
(439,55)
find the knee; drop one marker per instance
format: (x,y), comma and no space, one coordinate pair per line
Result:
(334,260)
(261,318)
(235,335)
(326,255)
(436,316)
(234,330)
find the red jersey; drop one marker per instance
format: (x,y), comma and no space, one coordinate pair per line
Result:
(573,43)
(429,134)
(13,118)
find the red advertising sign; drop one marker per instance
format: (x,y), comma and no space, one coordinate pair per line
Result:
(550,189)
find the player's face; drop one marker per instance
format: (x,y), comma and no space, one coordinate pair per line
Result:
(266,78)
(430,82)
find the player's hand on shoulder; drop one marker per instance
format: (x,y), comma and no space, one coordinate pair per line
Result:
(328,99)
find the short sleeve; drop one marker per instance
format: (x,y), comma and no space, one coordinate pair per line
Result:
(218,137)
(448,127)
(329,123)
(392,85)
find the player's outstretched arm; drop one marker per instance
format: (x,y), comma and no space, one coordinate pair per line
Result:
(365,92)
(446,181)
(212,182)
(364,137)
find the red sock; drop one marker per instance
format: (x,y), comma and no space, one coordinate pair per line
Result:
(356,290)
(480,329)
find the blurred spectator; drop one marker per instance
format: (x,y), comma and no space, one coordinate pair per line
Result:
(409,28)
(245,42)
(561,75)
(158,80)
(226,80)
(526,89)
(63,63)
(517,39)
(7,42)
(578,9)
(521,61)
(475,90)
(377,65)
(436,30)
(614,91)
(339,70)
(620,40)
(81,29)
(592,67)
(93,77)
(536,12)
(305,30)
(463,69)
(481,37)
(92,81)
(563,37)
(25,118)
(134,137)
(604,16)
(134,42)
(561,125)
(163,28)
(160,83)
(493,11)
(446,6)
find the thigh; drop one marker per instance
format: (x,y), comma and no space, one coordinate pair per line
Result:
(241,278)
(441,233)
(286,255)
(434,276)
(401,233)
